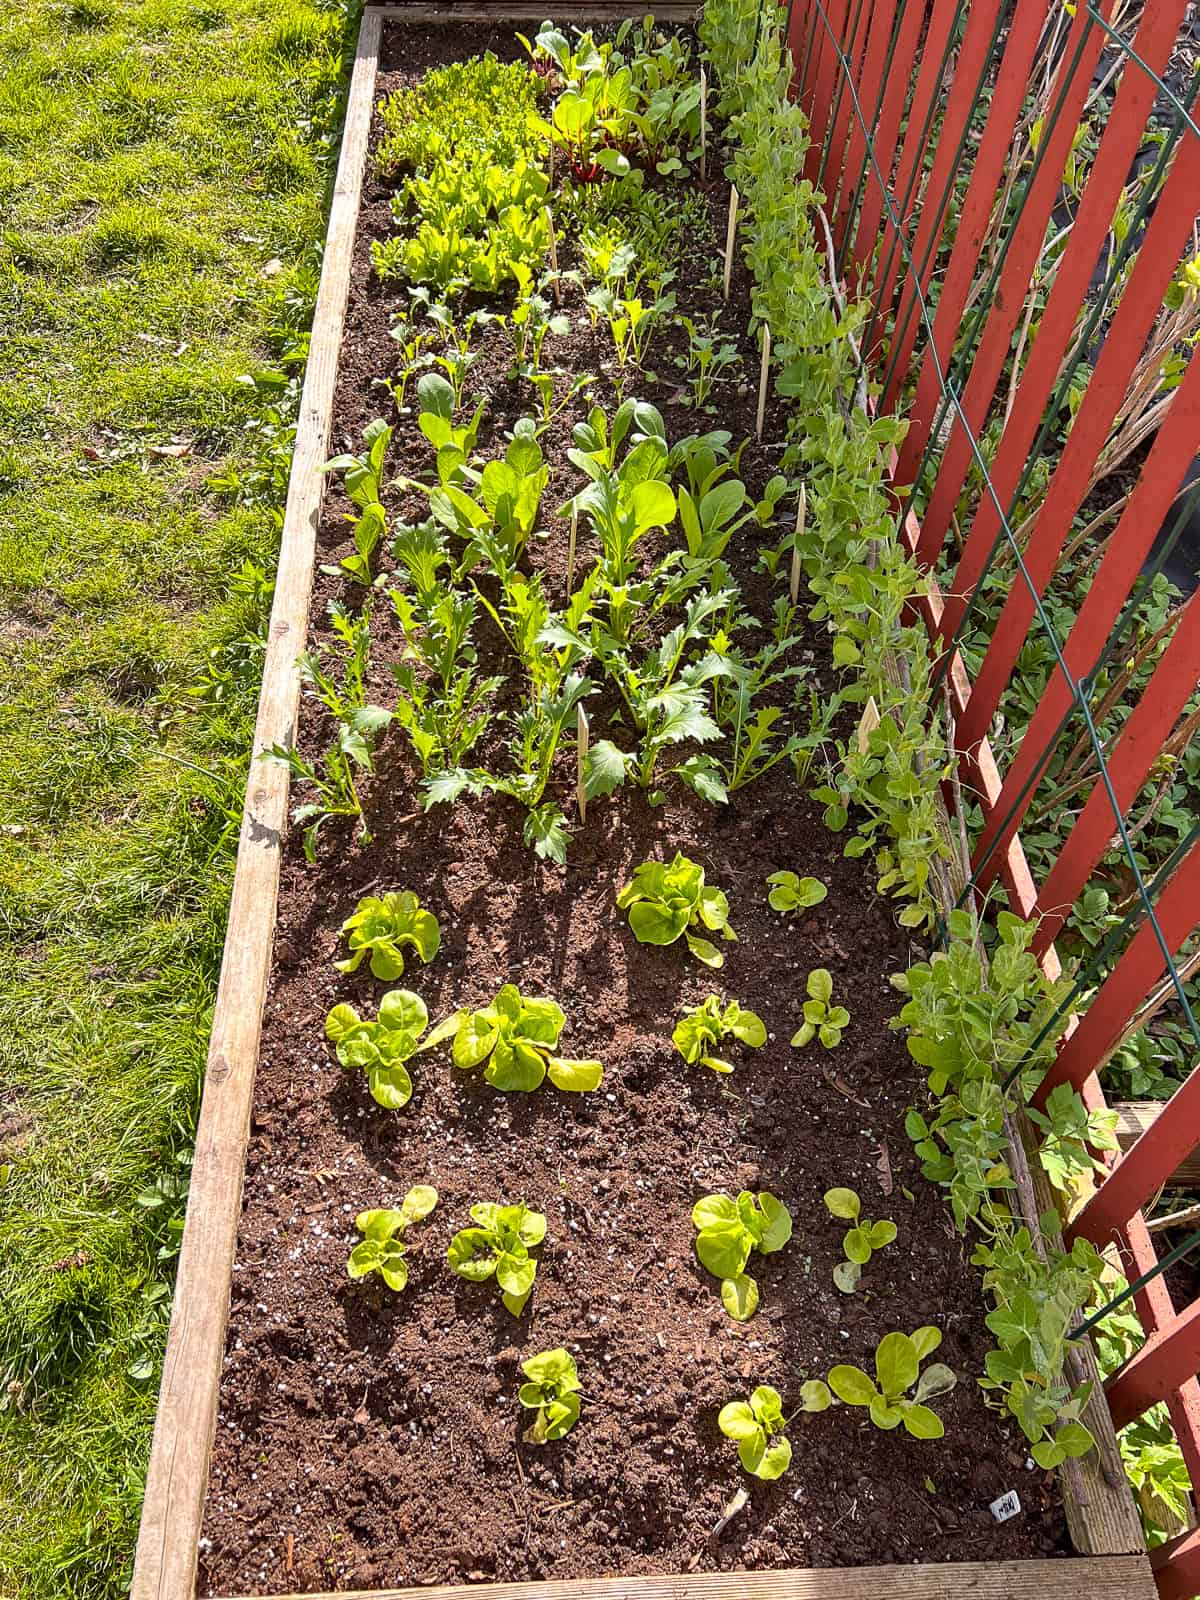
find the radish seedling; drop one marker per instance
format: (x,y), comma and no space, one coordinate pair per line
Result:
(860,1242)
(728,1231)
(898,1360)
(821,1020)
(553,1392)
(499,1246)
(513,1040)
(383,927)
(382,1047)
(705,1025)
(382,1248)
(665,900)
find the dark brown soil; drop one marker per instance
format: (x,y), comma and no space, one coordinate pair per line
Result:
(367,1439)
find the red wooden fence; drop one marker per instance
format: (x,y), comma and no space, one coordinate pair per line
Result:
(916,108)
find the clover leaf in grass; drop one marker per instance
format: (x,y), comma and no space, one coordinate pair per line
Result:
(499,1246)
(382,926)
(669,900)
(791,893)
(821,1020)
(382,1248)
(886,1397)
(552,1391)
(380,1048)
(728,1231)
(513,1040)
(701,1028)
(860,1241)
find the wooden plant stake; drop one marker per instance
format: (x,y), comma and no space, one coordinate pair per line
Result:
(763,374)
(867,724)
(730,236)
(571,552)
(801,515)
(553,256)
(703,125)
(581,750)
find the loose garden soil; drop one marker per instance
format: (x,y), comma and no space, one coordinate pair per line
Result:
(371,1439)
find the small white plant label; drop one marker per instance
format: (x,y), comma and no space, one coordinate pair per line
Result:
(1008,1505)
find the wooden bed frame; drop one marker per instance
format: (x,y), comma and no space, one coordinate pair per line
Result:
(1103,1521)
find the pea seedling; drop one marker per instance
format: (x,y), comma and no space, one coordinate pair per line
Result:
(898,1358)
(860,1242)
(821,1020)
(499,1246)
(728,1230)
(382,1248)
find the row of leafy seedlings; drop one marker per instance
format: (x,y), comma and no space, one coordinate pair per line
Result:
(513,1044)
(657,620)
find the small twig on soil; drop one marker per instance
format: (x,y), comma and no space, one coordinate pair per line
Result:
(739,1501)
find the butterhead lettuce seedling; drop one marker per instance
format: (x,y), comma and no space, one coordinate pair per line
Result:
(898,1360)
(821,1020)
(382,1248)
(667,900)
(706,1025)
(758,1425)
(553,1392)
(383,926)
(728,1231)
(499,1246)
(860,1241)
(513,1040)
(790,893)
(382,1047)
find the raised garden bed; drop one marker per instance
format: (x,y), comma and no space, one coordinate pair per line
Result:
(372,1440)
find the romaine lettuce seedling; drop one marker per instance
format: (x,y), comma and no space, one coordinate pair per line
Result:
(666,900)
(382,1248)
(553,1392)
(728,1231)
(705,1025)
(513,1039)
(898,1360)
(860,1242)
(499,1246)
(383,927)
(758,1424)
(382,1047)
(821,1020)
(790,893)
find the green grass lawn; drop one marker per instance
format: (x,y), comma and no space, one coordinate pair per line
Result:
(163,174)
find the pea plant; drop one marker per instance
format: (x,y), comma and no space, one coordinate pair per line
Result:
(758,1423)
(822,1020)
(500,1246)
(728,1232)
(886,1396)
(702,1028)
(666,901)
(513,1041)
(382,927)
(861,1240)
(381,1048)
(790,893)
(382,1249)
(552,1393)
